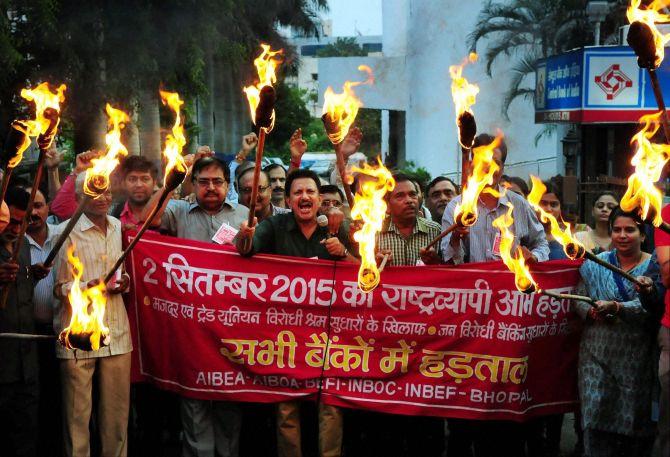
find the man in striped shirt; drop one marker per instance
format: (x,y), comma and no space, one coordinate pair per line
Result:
(40,237)
(481,243)
(97,240)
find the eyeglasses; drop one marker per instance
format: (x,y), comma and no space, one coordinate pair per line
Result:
(247,190)
(333,203)
(216,182)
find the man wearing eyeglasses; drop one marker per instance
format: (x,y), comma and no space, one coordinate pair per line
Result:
(264,206)
(332,197)
(210,427)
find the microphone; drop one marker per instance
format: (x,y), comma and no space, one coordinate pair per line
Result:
(322,220)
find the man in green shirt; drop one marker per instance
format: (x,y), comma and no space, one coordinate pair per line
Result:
(298,234)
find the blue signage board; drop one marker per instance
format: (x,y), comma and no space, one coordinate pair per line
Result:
(601,84)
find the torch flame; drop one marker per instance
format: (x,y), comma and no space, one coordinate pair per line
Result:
(463,93)
(43,97)
(650,16)
(515,261)
(483,169)
(563,236)
(88,308)
(370,207)
(571,245)
(649,161)
(266,64)
(341,109)
(175,141)
(97,176)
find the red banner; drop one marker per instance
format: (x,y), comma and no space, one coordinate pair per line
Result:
(443,341)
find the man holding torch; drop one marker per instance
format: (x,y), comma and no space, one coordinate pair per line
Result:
(209,426)
(299,234)
(97,240)
(481,243)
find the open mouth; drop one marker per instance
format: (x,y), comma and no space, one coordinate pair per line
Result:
(305,207)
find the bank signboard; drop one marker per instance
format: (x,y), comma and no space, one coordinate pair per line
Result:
(595,85)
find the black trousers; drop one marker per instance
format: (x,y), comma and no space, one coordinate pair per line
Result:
(18,418)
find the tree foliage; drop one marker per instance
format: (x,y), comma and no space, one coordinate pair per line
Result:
(528,30)
(290,113)
(113,50)
(342,47)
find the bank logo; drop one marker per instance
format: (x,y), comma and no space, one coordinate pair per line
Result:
(613,81)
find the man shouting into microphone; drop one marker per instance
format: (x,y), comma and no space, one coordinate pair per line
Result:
(298,234)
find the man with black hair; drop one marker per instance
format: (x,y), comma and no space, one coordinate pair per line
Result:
(297,234)
(481,243)
(404,233)
(40,237)
(244,181)
(139,181)
(210,427)
(277,175)
(201,219)
(439,192)
(19,376)
(332,197)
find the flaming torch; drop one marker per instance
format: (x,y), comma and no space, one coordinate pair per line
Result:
(339,113)
(571,246)
(87,330)
(370,207)
(464,95)
(261,97)
(97,176)
(44,127)
(481,175)
(175,172)
(649,161)
(515,262)
(649,46)
(16,143)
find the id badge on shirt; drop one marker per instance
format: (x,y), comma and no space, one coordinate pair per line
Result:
(225,234)
(496,245)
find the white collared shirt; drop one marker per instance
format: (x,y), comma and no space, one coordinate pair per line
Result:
(98,252)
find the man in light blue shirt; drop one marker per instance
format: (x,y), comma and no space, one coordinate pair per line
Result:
(481,242)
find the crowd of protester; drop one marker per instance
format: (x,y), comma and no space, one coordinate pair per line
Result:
(55,401)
